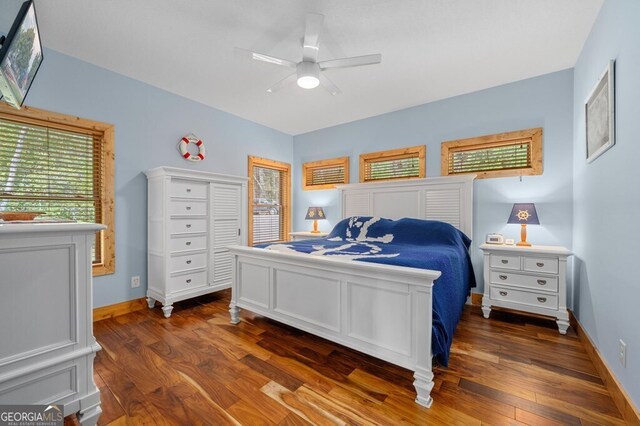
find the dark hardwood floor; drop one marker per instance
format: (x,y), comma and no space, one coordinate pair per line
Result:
(196,368)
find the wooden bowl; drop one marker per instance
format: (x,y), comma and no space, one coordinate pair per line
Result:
(8,216)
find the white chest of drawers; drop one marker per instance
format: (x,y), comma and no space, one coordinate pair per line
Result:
(530,279)
(46,329)
(192,217)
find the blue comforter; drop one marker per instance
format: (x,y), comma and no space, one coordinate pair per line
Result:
(415,243)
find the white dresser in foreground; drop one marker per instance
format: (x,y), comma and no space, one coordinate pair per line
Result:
(531,279)
(46,330)
(193,217)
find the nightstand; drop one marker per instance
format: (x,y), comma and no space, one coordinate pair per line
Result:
(306,235)
(530,279)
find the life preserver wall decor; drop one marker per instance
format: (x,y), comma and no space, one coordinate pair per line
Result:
(184,151)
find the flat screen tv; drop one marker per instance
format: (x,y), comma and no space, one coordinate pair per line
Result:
(20,56)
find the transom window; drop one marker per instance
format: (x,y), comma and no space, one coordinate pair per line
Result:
(516,153)
(325,174)
(403,163)
(61,166)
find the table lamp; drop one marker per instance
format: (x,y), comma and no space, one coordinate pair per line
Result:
(524,214)
(315,214)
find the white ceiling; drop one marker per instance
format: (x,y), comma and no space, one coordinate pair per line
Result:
(431,49)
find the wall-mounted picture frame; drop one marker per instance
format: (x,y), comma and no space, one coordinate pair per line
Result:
(599,109)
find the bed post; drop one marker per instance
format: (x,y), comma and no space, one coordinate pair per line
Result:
(234,311)
(422,317)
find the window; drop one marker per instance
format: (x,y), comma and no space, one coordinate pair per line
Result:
(404,163)
(62,166)
(505,154)
(269,200)
(325,174)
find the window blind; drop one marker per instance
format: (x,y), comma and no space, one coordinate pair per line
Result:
(511,155)
(269,215)
(404,163)
(392,169)
(55,171)
(325,174)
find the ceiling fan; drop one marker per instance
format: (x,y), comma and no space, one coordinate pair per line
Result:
(308,72)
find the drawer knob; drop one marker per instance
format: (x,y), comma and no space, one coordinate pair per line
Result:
(505,261)
(188,243)
(188,225)
(188,189)
(542,282)
(542,299)
(188,207)
(503,277)
(188,262)
(503,293)
(539,264)
(189,280)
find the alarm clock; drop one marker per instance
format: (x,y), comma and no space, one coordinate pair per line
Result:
(494,239)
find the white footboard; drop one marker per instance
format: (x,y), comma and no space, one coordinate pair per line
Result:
(384,311)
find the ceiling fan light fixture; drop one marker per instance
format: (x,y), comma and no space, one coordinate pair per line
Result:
(308,82)
(308,75)
(309,72)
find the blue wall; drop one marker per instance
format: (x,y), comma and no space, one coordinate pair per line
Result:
(580,205)
(607,198)
(149,122)
(545,101)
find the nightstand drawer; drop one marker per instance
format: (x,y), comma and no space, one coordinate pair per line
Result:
(521,280)
(540,300)
(505,261)
(541,264)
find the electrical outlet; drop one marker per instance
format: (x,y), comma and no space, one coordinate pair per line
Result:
(135,281)
(622,353)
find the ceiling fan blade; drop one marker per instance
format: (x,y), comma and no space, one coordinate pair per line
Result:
(265,58)
(279,85)
(328,84)
(311,42)
(356,61)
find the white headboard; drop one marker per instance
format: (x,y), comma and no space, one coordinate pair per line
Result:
(448,199)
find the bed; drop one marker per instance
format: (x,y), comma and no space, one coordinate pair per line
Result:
(381,307)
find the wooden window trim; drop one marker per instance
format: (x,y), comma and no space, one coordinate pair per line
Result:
(40,117)
(395,154)
(499,139)
(286,207)
(321,164)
